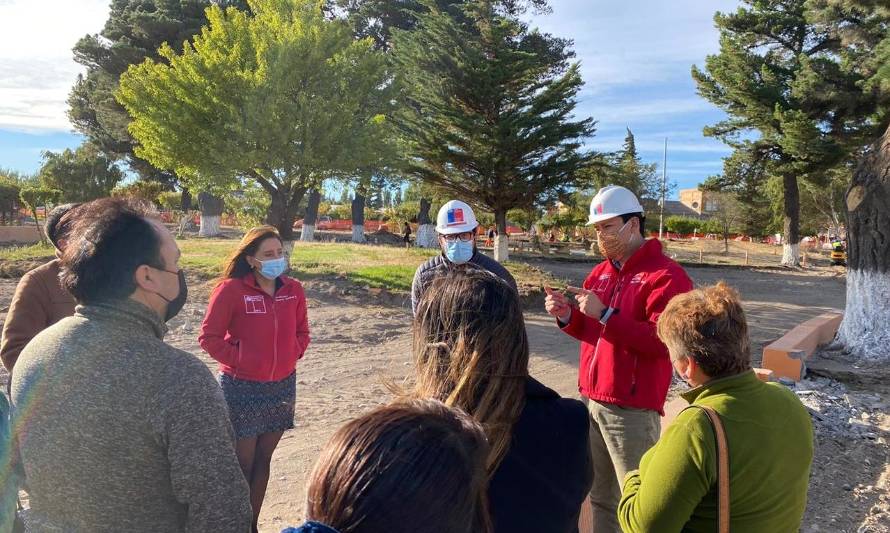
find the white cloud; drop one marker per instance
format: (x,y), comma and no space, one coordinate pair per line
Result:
(625,113)
(37,68)
(635,41)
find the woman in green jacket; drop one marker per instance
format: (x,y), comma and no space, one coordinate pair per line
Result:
(768,430)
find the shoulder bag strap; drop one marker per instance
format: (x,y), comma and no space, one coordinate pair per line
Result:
(722,468)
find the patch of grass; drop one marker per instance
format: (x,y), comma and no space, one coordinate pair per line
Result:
(394,277)
(33,252)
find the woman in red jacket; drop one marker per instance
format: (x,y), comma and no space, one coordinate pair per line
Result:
(256,327)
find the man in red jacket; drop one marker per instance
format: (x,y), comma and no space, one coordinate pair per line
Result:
(625,371)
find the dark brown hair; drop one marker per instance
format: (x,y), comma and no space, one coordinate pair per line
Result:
(59,222)
(110,239)
(471,351)
(708,325)
(404,468)
(236,265)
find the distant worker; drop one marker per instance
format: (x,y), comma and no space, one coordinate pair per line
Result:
(406,234)
(457,226)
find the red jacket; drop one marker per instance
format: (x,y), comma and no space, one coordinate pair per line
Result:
(255,336)
(624,362)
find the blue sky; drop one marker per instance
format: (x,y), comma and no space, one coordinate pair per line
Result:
(635,59)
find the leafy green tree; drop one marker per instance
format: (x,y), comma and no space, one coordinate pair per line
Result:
(82,174)
(134,31)
(284,98)
(9,199)
(150,191)
(488,109)
(35,197)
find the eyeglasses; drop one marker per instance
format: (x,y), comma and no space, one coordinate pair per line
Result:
(466,236)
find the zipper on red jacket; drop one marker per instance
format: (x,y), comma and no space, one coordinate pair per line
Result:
(275,343)
(596,348)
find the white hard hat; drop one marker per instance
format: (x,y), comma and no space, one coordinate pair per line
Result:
(612,201)
(455,217)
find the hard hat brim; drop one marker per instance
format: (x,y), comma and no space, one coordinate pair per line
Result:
(605,216)
(455,229)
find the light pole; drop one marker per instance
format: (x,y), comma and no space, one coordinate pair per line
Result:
(663,189)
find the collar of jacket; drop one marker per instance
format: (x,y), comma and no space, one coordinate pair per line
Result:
(250,281)
(649,249)
(718,386)
(126,311)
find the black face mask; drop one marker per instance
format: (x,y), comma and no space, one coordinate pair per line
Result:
(175,305)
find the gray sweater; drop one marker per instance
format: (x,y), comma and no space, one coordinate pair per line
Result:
(436,266)
(121,432)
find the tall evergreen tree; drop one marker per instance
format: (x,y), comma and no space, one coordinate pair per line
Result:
(768,50)
(859,49)
(134,31)
(488,111)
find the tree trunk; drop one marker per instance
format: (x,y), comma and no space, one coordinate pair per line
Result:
(185,199)
(308,232)
(865,331)
(283,210)
(358,218)
(426,231)
(211,211)
(791,226)
(501,241)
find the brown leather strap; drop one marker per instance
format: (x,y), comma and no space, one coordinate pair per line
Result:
(722,468)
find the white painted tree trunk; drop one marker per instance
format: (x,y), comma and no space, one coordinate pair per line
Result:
(358,233)
(209,226)
(426,236)
(501,248)
(791,254)
(308,233)
(864,330)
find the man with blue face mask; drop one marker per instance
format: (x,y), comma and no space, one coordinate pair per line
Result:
(457,226)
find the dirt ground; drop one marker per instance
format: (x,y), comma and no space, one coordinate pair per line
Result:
(360,344)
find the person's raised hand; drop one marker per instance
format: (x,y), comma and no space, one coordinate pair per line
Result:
(557,305)
(588,302)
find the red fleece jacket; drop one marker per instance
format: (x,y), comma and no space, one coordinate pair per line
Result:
(255,336)
(623,362)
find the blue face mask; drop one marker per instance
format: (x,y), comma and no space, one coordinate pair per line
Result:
(273,268)
(458,251)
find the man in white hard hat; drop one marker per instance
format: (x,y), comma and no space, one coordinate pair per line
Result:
(456,225)
(625,370)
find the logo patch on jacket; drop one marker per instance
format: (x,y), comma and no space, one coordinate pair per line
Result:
(638,279)
(254,304)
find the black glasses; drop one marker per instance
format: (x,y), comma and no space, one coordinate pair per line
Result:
(466,236)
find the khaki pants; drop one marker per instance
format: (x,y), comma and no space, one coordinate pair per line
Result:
(619,436)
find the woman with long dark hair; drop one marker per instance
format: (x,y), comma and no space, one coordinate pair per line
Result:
(257,328)
(471,351)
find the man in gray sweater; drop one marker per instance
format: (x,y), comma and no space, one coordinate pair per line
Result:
(116,430)
(457,226)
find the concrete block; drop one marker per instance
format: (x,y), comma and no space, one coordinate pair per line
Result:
(785,363)
(827,324)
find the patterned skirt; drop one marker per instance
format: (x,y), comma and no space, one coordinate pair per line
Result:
(257,407)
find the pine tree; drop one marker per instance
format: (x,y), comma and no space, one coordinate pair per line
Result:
(768,50)
(488,109)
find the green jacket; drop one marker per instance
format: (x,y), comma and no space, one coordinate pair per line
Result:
(770,438)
